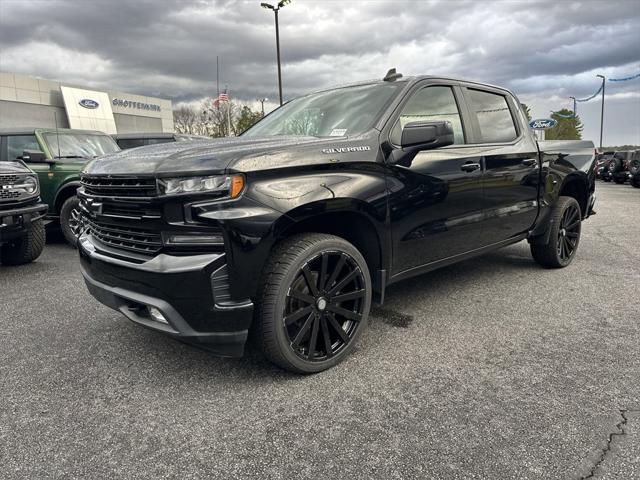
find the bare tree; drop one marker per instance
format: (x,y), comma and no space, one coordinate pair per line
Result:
(186,120)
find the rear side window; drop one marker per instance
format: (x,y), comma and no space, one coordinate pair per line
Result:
(130,142)
(17,144)
(431,104)
(494,117)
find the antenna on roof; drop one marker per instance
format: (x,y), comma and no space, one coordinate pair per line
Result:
(392,75)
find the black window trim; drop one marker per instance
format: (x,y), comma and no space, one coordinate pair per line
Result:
(513,110)
(394,116)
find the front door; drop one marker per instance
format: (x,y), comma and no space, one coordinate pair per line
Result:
(435,200)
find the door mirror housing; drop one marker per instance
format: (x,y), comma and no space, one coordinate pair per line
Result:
(34,156)
(426,135)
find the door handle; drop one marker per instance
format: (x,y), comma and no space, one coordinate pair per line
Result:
(470,167)
(529,162)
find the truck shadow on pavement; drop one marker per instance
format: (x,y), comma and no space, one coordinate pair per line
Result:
(436,288)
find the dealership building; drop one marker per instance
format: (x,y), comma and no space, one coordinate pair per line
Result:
(33,102)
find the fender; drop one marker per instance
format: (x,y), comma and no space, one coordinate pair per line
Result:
(65,187)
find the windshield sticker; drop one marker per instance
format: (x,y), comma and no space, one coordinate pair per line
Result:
(338,132)
(362,148)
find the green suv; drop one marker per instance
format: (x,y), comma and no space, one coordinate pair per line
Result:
(58,157)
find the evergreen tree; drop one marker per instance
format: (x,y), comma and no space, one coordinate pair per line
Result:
(567,128)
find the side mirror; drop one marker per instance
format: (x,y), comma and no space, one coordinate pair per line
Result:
(426,135)
(34,156)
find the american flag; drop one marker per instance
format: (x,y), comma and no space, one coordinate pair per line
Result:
(223,97)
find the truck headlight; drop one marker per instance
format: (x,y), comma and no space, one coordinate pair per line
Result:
(29,185)
(229,185)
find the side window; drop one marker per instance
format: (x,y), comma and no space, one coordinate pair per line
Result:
(17,144)
(431,104)
(494,117)
(125,143)
(153,141)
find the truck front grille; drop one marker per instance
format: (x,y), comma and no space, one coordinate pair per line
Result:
(127,238)
(108,186)
(7,193)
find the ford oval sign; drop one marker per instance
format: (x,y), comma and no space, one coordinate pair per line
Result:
(542,123)
(88,103)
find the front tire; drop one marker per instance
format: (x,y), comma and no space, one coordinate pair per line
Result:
(25,249)
(566,223)
(70,220)
(314,302)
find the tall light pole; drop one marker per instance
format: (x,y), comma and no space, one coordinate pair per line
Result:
(262,100)
(602,111)
(574,106)
(276,9)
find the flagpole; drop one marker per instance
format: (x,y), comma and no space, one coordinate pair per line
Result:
(228,110)
(218,80)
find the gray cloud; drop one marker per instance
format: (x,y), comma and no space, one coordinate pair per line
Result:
(168,48)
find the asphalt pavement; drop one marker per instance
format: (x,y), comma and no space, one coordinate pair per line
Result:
(492,368)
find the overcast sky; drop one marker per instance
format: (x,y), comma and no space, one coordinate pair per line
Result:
(544,51)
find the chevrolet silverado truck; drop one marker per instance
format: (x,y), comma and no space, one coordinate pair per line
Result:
(286,233)
(22,235)
(57,156)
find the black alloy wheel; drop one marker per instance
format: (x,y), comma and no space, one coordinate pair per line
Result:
(324,306)
(313,302)
(70,221)
(569,232)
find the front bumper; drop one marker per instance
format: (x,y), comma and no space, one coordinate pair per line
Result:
(181,288)
(15,222)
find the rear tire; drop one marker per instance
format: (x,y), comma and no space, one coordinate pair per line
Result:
(70,220)
(566,223)
(313,303)
(25,249)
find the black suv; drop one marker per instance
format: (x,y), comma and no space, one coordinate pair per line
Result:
(617,167)
(292,228)
(22,234)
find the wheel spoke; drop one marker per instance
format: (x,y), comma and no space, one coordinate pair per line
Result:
(327,338)
(303,331)
(561,248)
(303,297)
(348,296)
(568,247)
(345,313)
(297,315)
(309,279)
(338,328)
(314,337)
(342,283)
(336,271)
(572,234)
(322,279)
(573,225)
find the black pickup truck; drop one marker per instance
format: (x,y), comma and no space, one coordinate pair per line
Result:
(22,235)
(289,230)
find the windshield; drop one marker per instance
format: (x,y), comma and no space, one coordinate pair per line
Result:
(79,145)
(343,111)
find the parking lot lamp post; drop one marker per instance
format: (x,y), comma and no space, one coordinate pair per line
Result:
(574,106)
(275,9)
(262,100)
(601,111)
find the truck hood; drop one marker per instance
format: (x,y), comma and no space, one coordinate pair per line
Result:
(241,154)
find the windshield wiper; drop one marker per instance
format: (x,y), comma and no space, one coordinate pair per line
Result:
(70,156)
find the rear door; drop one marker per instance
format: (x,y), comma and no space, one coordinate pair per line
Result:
(510,162)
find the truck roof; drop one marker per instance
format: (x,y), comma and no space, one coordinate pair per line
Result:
(411,80)
(32,130)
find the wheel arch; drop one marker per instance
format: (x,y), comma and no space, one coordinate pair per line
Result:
(576,186)
(64,192)
(349,222)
